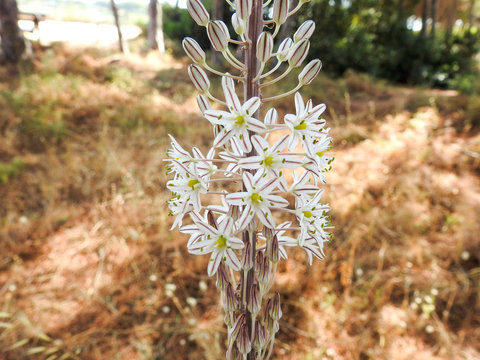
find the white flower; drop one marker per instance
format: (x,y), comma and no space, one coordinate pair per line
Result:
(237,122)
(270,160)
(257,199)
(205,167)
(176,155)
(316,150)
(187,187)
(220,242)
(306,125)
(312,247)
(299,187)
(309,211)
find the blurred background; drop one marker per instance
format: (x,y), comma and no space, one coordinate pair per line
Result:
(89,91)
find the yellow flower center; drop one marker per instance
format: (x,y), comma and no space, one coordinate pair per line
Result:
(301,126)
(193,182)
(320,153)
(269,160)
(256,198)
(222,241)
(239,120)
(308,214)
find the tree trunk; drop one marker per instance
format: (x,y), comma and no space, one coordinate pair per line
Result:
(471,14)
(452,14)
(217,14)
(12,42)
(434,9)
(155,26)
(160,38)
(121,44)
(425,12)
(152,25)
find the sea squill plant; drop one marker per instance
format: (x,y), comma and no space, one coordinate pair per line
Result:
(237,195)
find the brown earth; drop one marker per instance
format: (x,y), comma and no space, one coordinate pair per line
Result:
(88,258)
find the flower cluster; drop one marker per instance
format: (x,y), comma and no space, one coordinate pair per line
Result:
(257,190)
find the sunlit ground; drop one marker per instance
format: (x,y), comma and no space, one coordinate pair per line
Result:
(90,270)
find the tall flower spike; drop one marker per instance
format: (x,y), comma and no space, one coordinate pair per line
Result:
(243,174)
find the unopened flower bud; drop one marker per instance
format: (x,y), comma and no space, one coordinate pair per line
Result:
(260,336)
(310,72)
(262,267)
(198,12)
(193,50)
(282,52)
(273,251)
(243,342)
(271,117)
(254,302)
(203,103)
(218,34)
(237,24)
(240,321)
(228,84)
(264,46)
(298,53)
(305,31)
(247,261)
(233,353)
(230,299)
(199,78)
(275,310)
(269,233)
(211,219)
(243,8)
(223,278)
(234,212)
(280,11)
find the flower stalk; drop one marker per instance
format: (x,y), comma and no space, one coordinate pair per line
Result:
(242,234)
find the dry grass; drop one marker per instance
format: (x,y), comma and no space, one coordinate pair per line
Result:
(87,257)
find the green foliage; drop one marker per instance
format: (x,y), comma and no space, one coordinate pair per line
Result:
(472,112)
(178,24)
(374,37)
(11,169)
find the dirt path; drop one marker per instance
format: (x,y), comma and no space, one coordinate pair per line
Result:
(77,33)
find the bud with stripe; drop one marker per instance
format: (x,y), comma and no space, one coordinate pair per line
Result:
(305,31)
(264,46)
(237,24)
(243,8)
(298,53)
(280,11)
(193,50)
(199,78)
(203,103)
(310,72)
(218,34)
(198,12)
(283,48)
